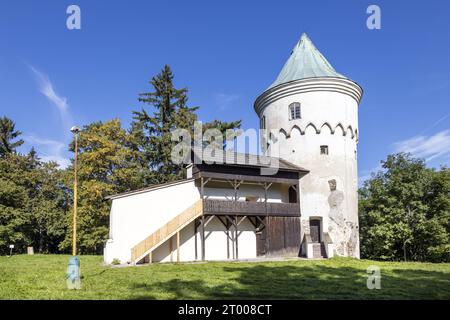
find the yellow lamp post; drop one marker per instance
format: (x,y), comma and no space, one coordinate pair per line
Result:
(76,132)
(73,271)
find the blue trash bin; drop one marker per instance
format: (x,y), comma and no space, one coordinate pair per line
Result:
(73,276)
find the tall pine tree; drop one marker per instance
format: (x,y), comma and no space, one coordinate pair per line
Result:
(8,133)
(152,131)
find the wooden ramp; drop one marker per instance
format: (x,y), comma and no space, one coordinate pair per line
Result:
(167,231)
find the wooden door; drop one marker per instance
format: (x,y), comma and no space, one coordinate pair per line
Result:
(282,236)
(314,230)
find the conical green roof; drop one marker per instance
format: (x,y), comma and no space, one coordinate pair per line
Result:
(305,62)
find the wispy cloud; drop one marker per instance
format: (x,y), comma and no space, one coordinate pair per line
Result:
(47,89)
(49,150)
(434,147)
(223,100)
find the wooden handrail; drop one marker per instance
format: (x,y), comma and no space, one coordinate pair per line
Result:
(218,206)
(166,232)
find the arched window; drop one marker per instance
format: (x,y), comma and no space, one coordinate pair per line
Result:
(294,111)
(263,122)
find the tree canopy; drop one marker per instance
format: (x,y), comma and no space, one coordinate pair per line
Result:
(36,197)
(405,212)
(7,135)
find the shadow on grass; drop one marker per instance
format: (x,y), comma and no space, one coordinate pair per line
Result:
(300,282)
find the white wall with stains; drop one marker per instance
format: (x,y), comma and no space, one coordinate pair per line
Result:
(329,117)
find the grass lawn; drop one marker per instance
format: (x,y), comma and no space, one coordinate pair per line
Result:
(43,277)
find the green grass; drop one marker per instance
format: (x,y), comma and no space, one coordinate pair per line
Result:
(43,277)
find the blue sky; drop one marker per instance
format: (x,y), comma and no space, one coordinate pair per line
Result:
(226,53)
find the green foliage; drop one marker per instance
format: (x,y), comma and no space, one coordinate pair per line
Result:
(33,203)
(152,132)
(7,135)
(115,261)
(404,212)
(106,165)
(36,197)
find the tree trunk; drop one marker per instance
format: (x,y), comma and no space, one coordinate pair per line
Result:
(404,250)
(41,241)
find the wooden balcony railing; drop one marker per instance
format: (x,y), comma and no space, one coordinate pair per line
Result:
(247,208)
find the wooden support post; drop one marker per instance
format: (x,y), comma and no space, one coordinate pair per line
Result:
(171,249)
(235,186)
(237,236)
(228,238)
(202,224)
(150,257)
(203,237)
(178,246)
(202,188)
(195,238)
(267,244)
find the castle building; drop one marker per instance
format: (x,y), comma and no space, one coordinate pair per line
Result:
(231,210)
(315,110)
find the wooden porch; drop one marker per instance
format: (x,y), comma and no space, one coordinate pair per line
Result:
(276,224)
(250,209)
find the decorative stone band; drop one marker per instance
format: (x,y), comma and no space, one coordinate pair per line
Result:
(339,129)
(330,84)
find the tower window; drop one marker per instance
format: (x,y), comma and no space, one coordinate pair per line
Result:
(324,150)
(294,111)
(263,122)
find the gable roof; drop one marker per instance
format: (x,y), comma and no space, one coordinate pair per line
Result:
(231,158)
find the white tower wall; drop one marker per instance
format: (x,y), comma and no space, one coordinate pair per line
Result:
(329,117)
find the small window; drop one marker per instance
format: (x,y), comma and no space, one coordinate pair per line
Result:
(294,111)
(324,150)
(263,122)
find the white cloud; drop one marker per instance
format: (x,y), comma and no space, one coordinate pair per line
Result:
(224,101)
(60,102)
(435,147)
(49,150)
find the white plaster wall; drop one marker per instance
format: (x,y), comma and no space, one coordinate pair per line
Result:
(135,217)
(215,243)
(318,109)
(276,193)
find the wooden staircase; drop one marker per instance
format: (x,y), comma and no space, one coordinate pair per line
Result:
(153,241)
(319,250)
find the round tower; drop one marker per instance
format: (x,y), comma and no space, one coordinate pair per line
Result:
(314,109)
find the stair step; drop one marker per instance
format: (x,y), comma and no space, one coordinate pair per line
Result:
(319,250)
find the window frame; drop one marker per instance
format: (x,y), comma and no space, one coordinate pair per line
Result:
(324,150)
(295,111)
